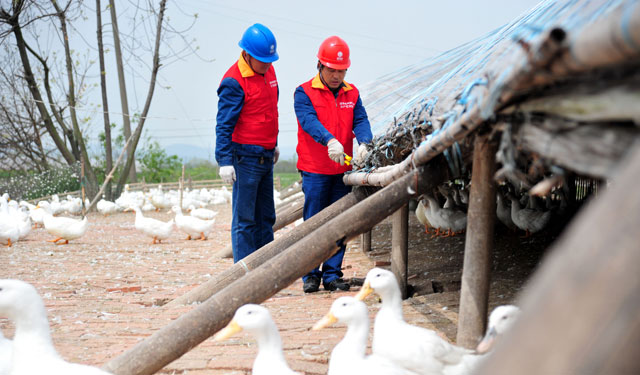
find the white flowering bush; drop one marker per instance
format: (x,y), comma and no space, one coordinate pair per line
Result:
(35,185)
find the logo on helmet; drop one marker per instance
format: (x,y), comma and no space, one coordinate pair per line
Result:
(272,49)
(339,58)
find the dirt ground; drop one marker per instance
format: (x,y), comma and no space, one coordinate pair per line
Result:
(105,291)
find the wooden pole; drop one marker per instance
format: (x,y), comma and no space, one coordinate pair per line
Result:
(181,185)
(400,247)
(474,296)
(268,251)
(366,241)
(184,333)
(580,309)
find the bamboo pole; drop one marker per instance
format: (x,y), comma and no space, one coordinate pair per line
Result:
(197,325)
(580,309)
(400,247)
(474,295)
(268,251)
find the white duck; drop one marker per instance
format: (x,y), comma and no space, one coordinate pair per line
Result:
(191,225)
(528,219)
(500,321)
(415,348)
(421,215)
(64,228)
(156,229)
(106,207)
(348,356)
(9,229)
(33,350)
(202,213)
(452,219)
(256,320)
(6,350)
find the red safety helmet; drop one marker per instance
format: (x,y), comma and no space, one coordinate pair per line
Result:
(334,53)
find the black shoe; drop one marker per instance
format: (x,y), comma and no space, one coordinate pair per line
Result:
(311,285)
(338,284)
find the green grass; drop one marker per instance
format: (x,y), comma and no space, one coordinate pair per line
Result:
(287,178)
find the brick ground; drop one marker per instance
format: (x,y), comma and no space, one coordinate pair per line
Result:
(101,293)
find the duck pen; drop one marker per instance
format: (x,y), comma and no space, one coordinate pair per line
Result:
(542,113)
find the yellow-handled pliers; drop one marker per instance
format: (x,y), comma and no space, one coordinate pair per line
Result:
(347,159)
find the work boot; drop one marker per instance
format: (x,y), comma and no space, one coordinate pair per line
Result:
(338,284)
(311,284)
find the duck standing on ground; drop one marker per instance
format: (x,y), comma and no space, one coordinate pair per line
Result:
(106,207)
(415,348)
(528,219)
(33,350)
(451,219)
(9,230)
(256,320)
(503,211)
(202,213)
(348,356)
(191,225)
(156,229)
(64,228)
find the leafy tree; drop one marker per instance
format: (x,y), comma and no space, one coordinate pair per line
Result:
(157,166)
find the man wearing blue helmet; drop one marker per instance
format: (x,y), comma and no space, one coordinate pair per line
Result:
(246,139)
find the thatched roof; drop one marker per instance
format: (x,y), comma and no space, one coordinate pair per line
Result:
(423,110)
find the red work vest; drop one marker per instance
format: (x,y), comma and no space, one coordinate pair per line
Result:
(336,115)
(258,120)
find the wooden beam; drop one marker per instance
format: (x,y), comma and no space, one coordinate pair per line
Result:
(591,149)
(189,330)
(474,295)
(400,247)
(580,309)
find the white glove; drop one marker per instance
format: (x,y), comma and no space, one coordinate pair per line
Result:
(228,174)
(336,151)
(361,153)
(276,155)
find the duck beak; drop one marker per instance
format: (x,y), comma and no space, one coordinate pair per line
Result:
(487,341)
(325,322)
(364,291)
(231,329)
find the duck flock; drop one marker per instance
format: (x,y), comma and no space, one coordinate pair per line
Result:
(397,346)
(445,209)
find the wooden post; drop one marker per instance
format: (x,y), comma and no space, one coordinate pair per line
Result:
(268,251)
(474,295)
(189,330)
(181,183)
(400,247)
(366,241)
(580,309)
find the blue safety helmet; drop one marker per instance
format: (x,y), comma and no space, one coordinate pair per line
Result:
(260,43)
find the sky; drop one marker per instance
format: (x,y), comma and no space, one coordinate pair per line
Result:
(383,36)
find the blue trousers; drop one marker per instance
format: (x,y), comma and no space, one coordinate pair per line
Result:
(321,191)
(253,209)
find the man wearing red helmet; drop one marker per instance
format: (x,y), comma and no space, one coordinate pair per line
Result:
(330,113)
(246,139)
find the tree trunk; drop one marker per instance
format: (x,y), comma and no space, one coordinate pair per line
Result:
(33,88)
(126,118)
(152,84)
(105,102)
(92,181)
